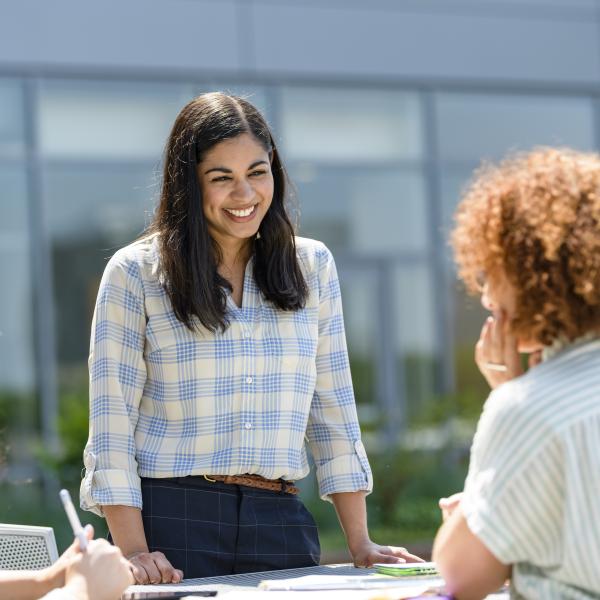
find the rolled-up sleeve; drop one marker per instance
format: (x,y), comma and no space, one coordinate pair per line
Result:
(117,377)
(333,431)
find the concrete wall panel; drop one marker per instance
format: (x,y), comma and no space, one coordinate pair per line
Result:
(179,34)
(394,44)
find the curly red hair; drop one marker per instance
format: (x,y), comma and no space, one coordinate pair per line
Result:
(536,219)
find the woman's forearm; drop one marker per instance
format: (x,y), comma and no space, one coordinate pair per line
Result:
(351,508)
(126,528)
(25,585)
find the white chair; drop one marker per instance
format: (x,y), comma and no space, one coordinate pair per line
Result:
(26,547)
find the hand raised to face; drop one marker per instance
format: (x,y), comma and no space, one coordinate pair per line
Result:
(496,352)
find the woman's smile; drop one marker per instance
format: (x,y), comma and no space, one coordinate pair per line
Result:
(241,215)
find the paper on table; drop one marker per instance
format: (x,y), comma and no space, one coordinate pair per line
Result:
(339,582)
(397,593)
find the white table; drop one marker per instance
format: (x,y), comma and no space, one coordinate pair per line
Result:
(245,586)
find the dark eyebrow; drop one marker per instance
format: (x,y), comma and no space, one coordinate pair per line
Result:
(226,170)
(258,162)
(221,169)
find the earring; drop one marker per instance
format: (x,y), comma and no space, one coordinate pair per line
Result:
(257,237)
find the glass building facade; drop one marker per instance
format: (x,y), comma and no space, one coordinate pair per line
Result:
(381,109)
(377,172)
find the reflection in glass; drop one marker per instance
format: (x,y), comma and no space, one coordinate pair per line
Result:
(12,133)
(466,313)
(92,211)
(370,211)
(454,181)
(415,335)
(359,294)
(476,126)
(16,351)
(18,403)
(100,120)
(337,125)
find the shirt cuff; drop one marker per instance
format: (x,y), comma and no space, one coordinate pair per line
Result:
(108,486)
(487,530)
(346,473)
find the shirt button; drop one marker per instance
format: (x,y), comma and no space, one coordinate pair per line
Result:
(248,425)
(247,334)
(249,379)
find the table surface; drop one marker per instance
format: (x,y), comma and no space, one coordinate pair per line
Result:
(248,582)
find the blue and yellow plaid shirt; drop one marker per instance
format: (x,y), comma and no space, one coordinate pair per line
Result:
(169,402)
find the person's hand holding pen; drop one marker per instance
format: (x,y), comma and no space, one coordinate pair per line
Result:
(54,575)
(92,569)
(99,573)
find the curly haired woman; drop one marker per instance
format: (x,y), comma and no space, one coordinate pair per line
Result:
(527,238)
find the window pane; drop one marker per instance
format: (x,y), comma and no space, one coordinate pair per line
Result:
(467,314)
(359,289)
(12,131)
(415,334)
(18,397)
(17,372)
(92,212)
(112,202)
(475,126)
(454,181)
(84,120)
(376,211)
(350,125)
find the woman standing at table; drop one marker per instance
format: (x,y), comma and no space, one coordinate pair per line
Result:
(217,349)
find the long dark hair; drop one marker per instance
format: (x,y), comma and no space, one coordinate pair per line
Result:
(188,255)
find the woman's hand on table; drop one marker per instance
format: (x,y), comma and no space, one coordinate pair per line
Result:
(368,553)
(153,567)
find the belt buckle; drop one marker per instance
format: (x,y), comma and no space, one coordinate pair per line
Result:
(284,485)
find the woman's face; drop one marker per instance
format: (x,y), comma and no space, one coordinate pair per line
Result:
(500,297)
(237,188)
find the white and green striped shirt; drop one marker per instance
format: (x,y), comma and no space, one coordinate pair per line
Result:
(532,495)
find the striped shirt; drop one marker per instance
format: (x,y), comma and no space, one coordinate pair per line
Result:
(532,494)
(169,402)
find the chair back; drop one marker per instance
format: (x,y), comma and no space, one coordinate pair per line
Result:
(25,547)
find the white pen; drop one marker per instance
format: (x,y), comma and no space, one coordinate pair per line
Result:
(78,530)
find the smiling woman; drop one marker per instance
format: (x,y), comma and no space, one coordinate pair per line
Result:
(236,183)
(217,350)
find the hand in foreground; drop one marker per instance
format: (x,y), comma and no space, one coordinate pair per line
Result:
(369,553)
(153,567)
(449,505)
(55,573)
(99,573)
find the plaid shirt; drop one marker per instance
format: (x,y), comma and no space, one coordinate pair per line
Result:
(169,402)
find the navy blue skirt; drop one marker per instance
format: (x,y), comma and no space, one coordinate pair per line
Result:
(207,529)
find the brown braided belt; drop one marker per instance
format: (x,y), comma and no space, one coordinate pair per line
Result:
(256,481)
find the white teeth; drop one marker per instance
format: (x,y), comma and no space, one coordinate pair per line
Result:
(241,213)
